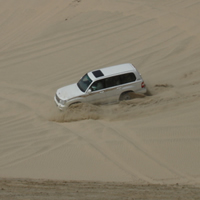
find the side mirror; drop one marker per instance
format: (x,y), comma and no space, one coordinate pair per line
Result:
(89,91)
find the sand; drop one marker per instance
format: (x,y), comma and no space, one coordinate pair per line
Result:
(47,44)
(26,189)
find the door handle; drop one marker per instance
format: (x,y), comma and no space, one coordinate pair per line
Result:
(101,92)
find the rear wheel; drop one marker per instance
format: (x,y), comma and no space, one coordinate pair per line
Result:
(126,96)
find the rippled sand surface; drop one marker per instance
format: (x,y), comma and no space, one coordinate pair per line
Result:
(154,140)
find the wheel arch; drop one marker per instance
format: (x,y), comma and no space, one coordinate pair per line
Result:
(74,103)
(125,92)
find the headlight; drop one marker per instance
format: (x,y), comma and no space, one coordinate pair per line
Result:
(62,102)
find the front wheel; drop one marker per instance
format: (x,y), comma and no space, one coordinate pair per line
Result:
(74,105)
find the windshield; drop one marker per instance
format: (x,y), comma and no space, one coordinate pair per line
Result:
(84,83)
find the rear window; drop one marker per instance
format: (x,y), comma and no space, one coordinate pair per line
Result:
(127,78)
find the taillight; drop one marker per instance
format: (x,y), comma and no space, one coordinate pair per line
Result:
(142,84)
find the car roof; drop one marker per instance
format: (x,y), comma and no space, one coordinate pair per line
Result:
(112,70)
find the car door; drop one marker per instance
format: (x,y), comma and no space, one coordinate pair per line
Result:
(128,82)
(113,89)
(96,93)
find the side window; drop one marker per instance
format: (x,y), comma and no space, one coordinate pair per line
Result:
(112,81)
(127,78)
(98,85)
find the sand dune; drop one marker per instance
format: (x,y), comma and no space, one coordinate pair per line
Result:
(48,44)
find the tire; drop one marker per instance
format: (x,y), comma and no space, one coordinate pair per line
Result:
(126,96)
(73,105)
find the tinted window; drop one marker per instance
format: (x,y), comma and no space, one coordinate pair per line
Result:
(127,78)
(112,81)
(98,85)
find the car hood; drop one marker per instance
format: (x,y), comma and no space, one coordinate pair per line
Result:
(69,91)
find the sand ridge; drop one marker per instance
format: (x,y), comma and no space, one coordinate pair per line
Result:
(48,189)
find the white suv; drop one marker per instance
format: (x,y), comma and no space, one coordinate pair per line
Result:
(106,85)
